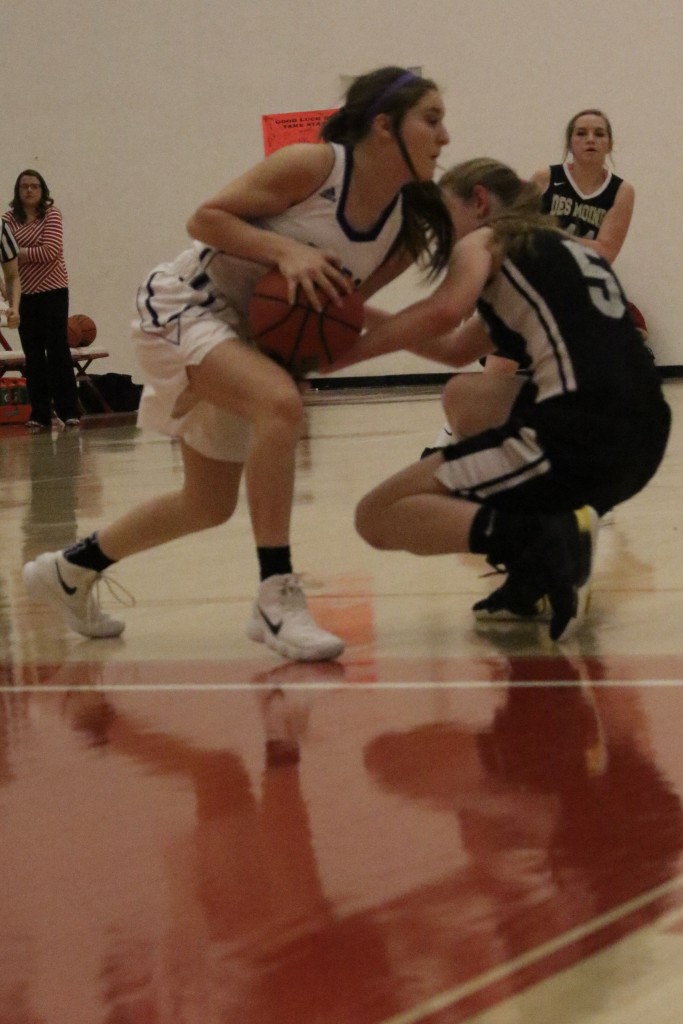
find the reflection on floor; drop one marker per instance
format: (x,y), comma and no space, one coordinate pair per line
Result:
(448,824)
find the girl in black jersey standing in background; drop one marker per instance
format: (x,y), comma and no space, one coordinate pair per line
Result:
(586,198)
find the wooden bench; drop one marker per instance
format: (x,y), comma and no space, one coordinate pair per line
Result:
(81,358)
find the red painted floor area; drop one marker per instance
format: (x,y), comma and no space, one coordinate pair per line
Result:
(383,841)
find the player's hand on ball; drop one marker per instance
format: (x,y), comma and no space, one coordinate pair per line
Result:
(309,268)
(299,335)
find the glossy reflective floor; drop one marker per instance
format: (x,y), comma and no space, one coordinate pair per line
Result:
(447,825)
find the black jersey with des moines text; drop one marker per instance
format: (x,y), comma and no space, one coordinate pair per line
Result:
(574,211)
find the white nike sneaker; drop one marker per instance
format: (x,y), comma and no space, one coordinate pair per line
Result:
(281,620)
(69,589)
(445,437)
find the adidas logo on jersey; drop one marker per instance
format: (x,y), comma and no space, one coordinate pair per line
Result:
(329,193)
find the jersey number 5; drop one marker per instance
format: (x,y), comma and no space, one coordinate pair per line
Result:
(603,287)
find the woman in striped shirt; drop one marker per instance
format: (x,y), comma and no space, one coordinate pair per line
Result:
(36,225)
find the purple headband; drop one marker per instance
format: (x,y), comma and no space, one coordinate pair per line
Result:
(393,87)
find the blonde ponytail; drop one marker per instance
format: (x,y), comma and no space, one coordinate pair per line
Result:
(520,201)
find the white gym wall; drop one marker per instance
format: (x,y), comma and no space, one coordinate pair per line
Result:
(136,111)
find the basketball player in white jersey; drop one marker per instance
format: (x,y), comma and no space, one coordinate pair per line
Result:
(360,208)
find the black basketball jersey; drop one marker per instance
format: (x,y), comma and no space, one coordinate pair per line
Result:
(575,212)
(557,308)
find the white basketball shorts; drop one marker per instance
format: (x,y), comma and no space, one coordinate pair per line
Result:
(176,330)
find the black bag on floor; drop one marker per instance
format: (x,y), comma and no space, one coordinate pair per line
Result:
(117,389)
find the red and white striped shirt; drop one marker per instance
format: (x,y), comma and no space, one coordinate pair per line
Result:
(41,259)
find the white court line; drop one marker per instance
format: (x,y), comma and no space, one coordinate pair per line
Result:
(347,686)
(454,995)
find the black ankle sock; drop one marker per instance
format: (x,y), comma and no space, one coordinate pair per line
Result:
(502,535)
(274,561)
(88,554)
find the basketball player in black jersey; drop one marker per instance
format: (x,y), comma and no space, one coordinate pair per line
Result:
(582,193)
(539,458)
(586,199)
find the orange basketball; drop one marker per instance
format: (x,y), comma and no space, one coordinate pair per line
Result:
(297,336)
(73,332)
(87,327)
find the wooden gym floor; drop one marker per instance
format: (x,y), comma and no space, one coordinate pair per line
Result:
(446,825)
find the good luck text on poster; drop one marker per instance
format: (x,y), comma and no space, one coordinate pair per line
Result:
(298,126)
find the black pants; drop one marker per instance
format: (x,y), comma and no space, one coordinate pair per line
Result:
(50,376)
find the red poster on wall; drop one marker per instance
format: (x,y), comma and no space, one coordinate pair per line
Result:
(298,126)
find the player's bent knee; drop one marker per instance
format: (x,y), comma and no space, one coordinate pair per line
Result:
(283,409)
(361,520)
(216,517)
(367,525)
(207,514)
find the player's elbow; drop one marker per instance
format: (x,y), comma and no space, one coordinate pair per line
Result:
(608,250)
(200,223)
(442,318)
(192,225)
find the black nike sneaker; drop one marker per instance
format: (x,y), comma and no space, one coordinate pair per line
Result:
(551,579)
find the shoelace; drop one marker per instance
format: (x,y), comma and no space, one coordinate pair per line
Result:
(497,570)
(291,591)
(117,590)
(500,570)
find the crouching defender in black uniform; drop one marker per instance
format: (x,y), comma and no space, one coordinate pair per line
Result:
(540,458)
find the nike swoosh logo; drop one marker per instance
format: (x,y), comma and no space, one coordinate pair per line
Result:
(272,626)
(65,586)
